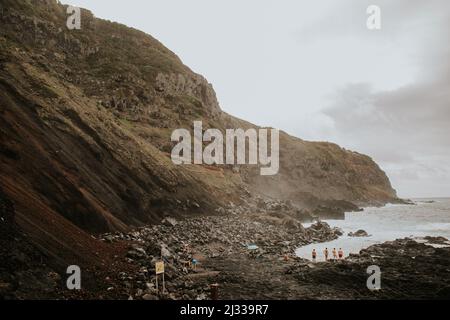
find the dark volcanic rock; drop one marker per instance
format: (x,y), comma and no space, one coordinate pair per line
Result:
(262,237)
(359,233)
(437,240)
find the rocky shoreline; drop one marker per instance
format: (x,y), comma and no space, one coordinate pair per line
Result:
(248,256)
(224,247)
(252,258)
(409,270)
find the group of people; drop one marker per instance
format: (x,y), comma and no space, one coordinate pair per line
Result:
(336,254)
(191,262)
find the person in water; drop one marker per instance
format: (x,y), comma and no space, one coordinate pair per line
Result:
(334,254)
(325,253)
(341,254)
(314,255)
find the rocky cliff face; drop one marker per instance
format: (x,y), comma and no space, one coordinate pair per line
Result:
(85,123)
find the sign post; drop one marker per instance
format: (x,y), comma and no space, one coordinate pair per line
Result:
(159,269)
(214,291)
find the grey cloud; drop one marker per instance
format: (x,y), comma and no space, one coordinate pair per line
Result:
(408,127)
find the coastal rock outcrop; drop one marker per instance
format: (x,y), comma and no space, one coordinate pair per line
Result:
(359,233)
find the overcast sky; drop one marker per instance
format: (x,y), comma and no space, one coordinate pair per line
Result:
(313,69)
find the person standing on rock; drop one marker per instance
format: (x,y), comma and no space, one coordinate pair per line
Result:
(341,254)
(334,254)
(325,253)
(314,255)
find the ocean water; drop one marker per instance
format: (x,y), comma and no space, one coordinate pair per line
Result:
(386,224)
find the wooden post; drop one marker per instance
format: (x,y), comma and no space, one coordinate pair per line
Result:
(159,268)
(214,291)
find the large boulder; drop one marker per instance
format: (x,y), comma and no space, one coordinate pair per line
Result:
(359,233)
